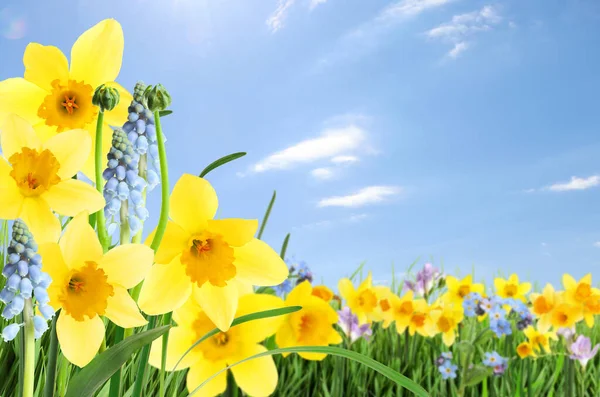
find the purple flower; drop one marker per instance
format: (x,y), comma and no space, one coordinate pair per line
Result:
(348,322)
(499,369)
(567,333)
(582,351)
(425,280)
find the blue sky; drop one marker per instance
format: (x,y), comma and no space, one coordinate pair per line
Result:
(463,131)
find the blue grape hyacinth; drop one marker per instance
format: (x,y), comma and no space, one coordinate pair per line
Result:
(25,281)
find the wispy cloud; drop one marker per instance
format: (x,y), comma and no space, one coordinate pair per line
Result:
(322,173)
(365,196)
(576,183)
(597,244)
(344,159)
(333,142)
(315,3)
(276,20)
(357,217)
(464,26)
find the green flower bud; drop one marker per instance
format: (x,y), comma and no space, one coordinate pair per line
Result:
(106,98)
(157,98)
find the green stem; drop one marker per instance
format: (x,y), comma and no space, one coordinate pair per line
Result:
(163,359)
(29,356)
(266,217)
(52,358)
(125,235)
(63,376)
(100,219)
(160,231)
(115,380)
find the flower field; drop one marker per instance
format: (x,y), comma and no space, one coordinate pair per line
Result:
(93,306)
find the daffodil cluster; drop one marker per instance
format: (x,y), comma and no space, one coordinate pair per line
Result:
(25,281)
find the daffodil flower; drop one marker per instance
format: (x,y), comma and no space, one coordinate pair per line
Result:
(37,178)
(206,258)
(256,377)
(539,339)
(311,326)
(542,305)
(511,288)
(362,300)
(55,98)
(459,289)
(446,320)
(87,284)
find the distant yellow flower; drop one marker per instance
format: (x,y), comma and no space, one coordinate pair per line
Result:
(414,315)
(446,319)
(87,284)
(542,305)
(525,350)
(256,377)
(576,292)
(362,301)
(458,289)
(565,315)
(54,98)
(37,178)
(206,258)
(401,310)
(321,291)
(311,326)
(591,308)
(539,339)
(511,288)
(383,311)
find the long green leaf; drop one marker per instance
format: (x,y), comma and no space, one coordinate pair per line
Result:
(267,214)
(220,162)
(384,370)
(103,366)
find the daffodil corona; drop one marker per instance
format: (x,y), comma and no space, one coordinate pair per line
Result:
(362,301)
(55,98)
(511,288)
(88,284)
(37,178)
(206,258)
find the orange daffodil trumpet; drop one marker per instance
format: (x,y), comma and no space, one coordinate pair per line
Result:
(362,301)
(206,258)
(256,377)
(582,294)
(88,284)
(36,179)
(54,97)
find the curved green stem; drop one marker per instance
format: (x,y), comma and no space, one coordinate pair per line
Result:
(101,221)
(160,231)
(29,354)
(49,386)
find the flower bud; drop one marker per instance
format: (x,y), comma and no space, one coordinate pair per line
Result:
(10,332)
(107,98)
(157,98)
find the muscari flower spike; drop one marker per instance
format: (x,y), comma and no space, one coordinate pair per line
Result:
(25,280)
(123,183)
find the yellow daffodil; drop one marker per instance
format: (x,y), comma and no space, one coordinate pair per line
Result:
(576,292)
(542,305)
(400,311)
(321,291)
(256,377)
(37,178)
(458,289)
(87,284)
(413,314)
(565,315)
(55,98)
(383,312)
(538,339)
(311,326)
(525,350)
(511,288)
(206,258)
(446,319)
(362,301)
(591,308)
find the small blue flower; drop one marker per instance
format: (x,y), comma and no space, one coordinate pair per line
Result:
(501,327)
(493,359)
(448,370)
(40,326)
(497,314)
(10,332)
(283,288)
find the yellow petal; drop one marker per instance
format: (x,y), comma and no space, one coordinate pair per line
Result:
(245,373)
(193,203)
(499,285)
(203,370)
(452,283)
(54,265)
(44,64)
(219,303)
(236,232)
(258,264)
(116,116)
(38,216)
(89,166)
(587,279)
(173,243)
(187,313)
(97,54)
(346,288)
(165,288)
(127,264)
(367,283)
(299,294)
(44,131)
(285,337)
(71,149)
(524,288)
(569,282)
(180,339)
(122,310)
(71,196)
(21,97)
(258,330)
(312,356)
(79,242)
(11,199)
(79,340)
(16,133)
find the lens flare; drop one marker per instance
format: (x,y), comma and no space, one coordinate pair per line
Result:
(13,26)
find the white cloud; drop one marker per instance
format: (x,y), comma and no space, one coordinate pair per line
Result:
(463,26)
(576,183)
(344,159)
(406,8)
(365,196)
(357,217)
(275,21)
(322,173)
(333,142)
(314,3)
(597,244)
